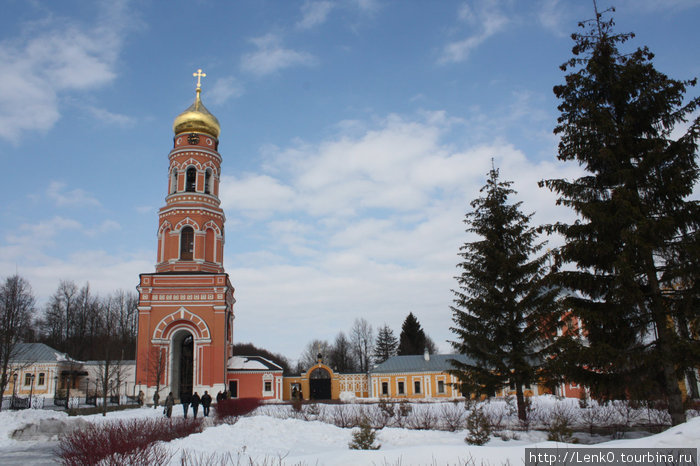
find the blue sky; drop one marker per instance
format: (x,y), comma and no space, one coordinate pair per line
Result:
(354,135)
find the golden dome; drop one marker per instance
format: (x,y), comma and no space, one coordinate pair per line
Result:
(197,119)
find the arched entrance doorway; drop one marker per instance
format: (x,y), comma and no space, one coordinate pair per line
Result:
(182,364)
(320,384)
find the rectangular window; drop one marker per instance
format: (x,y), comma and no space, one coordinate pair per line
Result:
(401,390)
(27,379)
(42,379)
(441,386)
(385,388)
(416,386)
(268,386)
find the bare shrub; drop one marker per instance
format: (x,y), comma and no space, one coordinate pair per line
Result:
(402,413)
(452,416)
(656,415)
(311,411)
(383,414)
(497,415)
(423,418)
(122,439)
(560,423)
(228,411)
(627,415)
(591,417)
(340,416)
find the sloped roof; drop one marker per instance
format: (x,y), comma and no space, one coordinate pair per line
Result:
(417,363)
(251,363)
(37,352)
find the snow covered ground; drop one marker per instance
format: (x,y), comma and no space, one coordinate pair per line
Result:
(275,440)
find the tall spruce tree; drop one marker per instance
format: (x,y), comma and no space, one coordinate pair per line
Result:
(412,337)
(504,313)
(385,345)
(635,244)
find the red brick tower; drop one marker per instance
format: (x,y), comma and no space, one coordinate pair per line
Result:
(186,307)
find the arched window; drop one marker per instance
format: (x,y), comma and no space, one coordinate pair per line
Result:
(191,180)
(207,181)
(187,244)
(173,181)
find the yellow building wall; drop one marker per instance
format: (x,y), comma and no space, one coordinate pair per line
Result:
(415,385)
(25,386)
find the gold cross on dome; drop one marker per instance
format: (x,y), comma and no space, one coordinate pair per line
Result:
(199,76)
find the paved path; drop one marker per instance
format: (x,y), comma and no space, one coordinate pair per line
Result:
(29,453)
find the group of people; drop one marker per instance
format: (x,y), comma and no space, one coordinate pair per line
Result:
(195,400)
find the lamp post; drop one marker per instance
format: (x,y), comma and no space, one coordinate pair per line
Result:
(31,389)
(70,376)
(14,389)
(55,386)
(87,388)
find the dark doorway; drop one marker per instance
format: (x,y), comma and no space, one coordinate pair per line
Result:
(186,365)
(320,385)
(233,388)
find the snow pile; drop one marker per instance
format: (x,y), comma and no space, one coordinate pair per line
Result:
(289,441)
(293,441)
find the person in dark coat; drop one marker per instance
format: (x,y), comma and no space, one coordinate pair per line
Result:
(219,397)
(194,401)
(169,402)
(206,402)
(156,399)
(185,400)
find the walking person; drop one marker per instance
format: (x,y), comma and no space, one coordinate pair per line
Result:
(185,400)
(141,398)
(195,401)
(156,399)
(169,402)
(206,403)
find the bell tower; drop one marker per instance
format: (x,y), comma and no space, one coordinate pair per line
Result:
(185,332)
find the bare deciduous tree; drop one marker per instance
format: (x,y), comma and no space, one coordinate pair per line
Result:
(362,339)
(16,310)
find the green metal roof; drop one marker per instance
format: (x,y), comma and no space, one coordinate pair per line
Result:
(37,352)
(417,363)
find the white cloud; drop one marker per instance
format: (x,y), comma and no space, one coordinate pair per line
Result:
(367,223)
(75,197)
(111,118)
(484,19)
(270,57)
(224,89)
(552,16)
(314,13)
(50,58)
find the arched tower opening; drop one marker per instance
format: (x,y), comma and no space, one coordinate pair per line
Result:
(187,244)
(191,180)
(182,363)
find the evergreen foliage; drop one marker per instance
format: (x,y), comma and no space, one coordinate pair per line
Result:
(385,345)
(635,243)
(412,338)
(478,427)
(505,315)
(364,438)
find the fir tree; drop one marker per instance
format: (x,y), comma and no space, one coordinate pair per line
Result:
(504,314)
(386,344)
(412,337)
(635,244)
